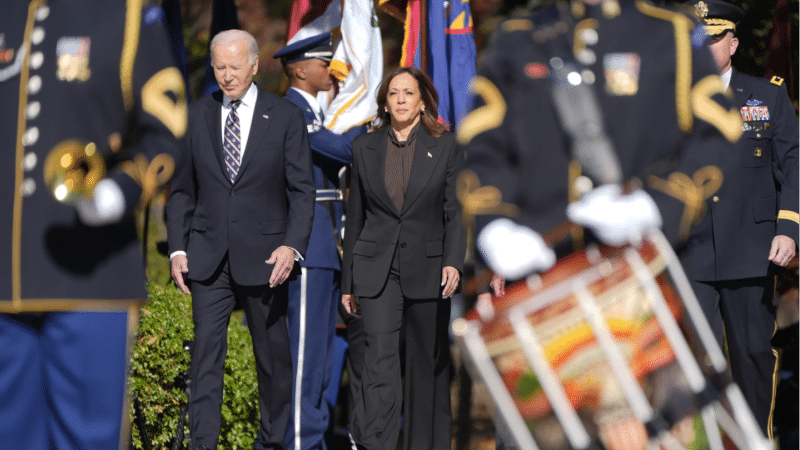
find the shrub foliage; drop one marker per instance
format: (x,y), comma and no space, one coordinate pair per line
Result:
(159,363)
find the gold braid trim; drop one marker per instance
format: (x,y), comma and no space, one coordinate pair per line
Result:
(692,192)
(476,199)
(789,215)
(149,176)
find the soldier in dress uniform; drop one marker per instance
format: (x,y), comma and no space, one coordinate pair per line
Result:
(89,95)
(752,224)
(633,76)
(314,294)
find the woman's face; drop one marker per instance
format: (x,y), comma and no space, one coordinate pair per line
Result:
(403,100)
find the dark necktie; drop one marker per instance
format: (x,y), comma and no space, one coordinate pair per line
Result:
(233,142)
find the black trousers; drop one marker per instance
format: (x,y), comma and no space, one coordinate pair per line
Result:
(427,418)
(213,301)
(746,310)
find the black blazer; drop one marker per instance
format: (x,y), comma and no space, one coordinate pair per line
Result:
(271,202)
(428,233)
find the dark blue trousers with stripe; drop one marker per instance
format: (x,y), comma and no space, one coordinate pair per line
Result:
(311,316)
(62,380)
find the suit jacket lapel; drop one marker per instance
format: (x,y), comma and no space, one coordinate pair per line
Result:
(375,163)
(426,155)
(214,126)
(258,129)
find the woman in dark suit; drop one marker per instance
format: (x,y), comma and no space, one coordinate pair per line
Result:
(403,255)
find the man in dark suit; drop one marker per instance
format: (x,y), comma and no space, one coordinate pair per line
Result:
(752,225)
(239,214)
(314,295)
(92,82)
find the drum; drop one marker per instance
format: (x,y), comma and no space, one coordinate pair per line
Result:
(607,349)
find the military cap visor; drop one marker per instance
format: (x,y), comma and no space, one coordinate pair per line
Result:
(318,46)
(718,16)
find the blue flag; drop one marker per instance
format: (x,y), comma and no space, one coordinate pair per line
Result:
(451,58)
(223,17)
(174,23)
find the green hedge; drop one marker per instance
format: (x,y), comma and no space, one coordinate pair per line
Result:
(159,360)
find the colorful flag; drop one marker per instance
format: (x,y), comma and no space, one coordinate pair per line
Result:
(358,65)
(443,28)
(312,17)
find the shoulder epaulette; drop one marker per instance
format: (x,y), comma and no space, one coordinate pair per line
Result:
(776,80)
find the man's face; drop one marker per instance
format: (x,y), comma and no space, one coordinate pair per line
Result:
(232,68)
(318,74)
(722,48)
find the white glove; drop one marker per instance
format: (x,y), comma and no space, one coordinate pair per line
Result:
(514,251)
(105,206)
(615,218)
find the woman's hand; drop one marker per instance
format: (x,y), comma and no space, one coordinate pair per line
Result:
(450,279)
(351,305)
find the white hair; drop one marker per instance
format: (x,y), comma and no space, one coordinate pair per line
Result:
(231,36)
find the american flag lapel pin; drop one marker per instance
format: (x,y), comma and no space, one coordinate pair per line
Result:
(429,155)
(265,116)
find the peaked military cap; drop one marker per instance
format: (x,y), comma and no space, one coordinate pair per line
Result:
(717,16)
(318,46)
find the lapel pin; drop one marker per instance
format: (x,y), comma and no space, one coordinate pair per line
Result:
(429,155)
(265,116)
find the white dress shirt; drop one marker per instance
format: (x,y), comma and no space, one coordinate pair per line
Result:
(244,111)
(726,77)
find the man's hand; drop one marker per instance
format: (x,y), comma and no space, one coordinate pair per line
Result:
(283,258)
(498,285)
(782,250)
(450,279)
(350,304)
(180,265)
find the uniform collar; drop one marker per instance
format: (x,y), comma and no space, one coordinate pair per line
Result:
(312,101)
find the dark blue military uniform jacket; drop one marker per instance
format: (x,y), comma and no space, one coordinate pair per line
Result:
(759,197)
(649,75)
(97,72)
(330,152)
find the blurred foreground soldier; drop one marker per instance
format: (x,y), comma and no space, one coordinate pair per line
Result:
(592,93)
(752,222)
(314,295)
(87,88)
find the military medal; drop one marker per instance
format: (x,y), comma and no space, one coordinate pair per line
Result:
(72,56)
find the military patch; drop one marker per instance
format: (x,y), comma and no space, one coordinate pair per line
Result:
(536,70)
(755,113)
(6,54)
(622,73)
(72,58)
(776,80)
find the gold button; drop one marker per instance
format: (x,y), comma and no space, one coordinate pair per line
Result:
(757,153)
(758,134)
(716,199)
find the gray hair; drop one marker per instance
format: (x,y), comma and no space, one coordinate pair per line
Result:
(231,36)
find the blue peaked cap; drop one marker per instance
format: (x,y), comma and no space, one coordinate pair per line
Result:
(318,46)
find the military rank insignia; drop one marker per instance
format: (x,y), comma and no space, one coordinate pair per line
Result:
(6,54)
(622,73)
(72,56)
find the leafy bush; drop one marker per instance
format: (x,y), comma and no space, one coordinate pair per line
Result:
(159,362)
